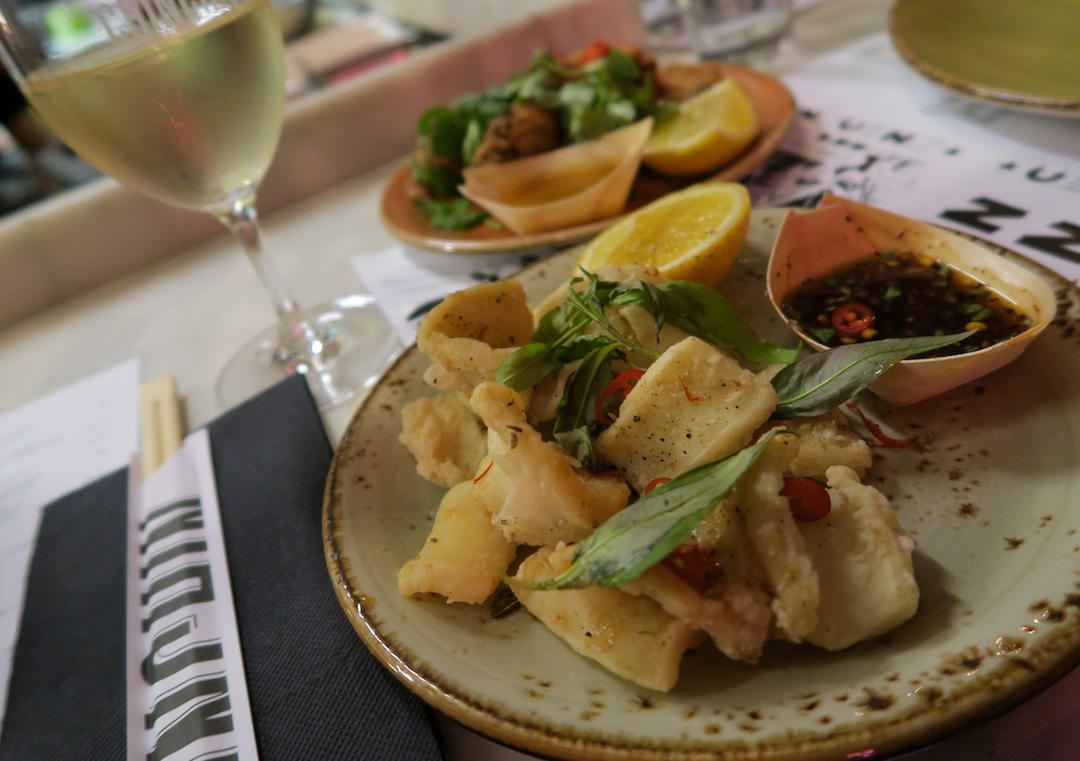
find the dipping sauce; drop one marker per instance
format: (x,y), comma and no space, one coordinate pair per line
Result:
(900,294)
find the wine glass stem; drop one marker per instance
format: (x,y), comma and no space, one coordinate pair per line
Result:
(300,346)
(304,346)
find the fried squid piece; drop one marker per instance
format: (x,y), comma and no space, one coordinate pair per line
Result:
(735,616)
(779,544)
(471,332)
(547,499)
(446,438)
(630,636)
(464,554)
(694,405)
(867,582)
(641,326)
(546,395)
(825,441)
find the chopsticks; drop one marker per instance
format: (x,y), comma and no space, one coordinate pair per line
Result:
(161,425)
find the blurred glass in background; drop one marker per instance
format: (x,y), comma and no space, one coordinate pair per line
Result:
(746,30)
(328,41)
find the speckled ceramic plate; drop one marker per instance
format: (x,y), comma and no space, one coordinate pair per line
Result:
(771,99)
(1013,53)
(991,494)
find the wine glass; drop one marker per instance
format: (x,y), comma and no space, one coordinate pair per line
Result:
(182,100)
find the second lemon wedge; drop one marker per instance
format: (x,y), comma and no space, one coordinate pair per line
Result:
(711,129)
(692,234)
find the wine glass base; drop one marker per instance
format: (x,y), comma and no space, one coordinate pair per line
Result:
(359,343)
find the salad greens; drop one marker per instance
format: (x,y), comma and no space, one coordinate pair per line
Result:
(589,101)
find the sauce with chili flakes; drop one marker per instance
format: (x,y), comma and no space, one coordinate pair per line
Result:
(898,294)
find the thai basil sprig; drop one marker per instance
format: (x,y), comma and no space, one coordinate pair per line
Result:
(695,308)
(592,300)
(702,312)
(821,381)
(576,416)
(560,337)
(644,533)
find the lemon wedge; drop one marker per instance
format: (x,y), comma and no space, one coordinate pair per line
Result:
(692,234)
(711,129)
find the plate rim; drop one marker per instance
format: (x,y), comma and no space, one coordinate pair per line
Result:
(1065,107)
(991,693)
(757,153)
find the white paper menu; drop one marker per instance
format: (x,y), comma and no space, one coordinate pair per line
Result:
(186,689)
(871,130)
(407,282)
(924,176)
(48,448)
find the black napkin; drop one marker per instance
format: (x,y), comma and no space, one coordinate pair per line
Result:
(316,693)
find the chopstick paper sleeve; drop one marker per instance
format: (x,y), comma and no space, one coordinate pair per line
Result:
(315,691)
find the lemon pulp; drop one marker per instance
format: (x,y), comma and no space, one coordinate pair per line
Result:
(692,234)
(711,129)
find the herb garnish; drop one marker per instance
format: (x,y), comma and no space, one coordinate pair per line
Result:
(695,308)
(451,214)
(575,417)
(644,533)
(703,312)
(819,382)
(560,337)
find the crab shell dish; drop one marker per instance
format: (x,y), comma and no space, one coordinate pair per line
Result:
(840,232)
(580,183)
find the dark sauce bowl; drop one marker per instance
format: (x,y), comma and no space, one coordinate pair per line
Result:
(839,233)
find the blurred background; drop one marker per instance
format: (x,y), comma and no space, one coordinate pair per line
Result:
(327,41)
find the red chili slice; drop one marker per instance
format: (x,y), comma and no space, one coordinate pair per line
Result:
(654,483)
(875,430)
(595,49)
(689,397)
(852,318)
(621,384)
(807,499)
(695,565)
(477,479)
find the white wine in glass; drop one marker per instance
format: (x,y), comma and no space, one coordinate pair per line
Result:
(182,100)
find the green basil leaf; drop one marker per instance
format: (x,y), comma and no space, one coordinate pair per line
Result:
(473,137)
(441,181)
(621,66)
(453,214)
(590,303)
(579,444)
(578,403)
(703,312)
(664,111)
(446,130)
(580,347)
(577,94)
(821,381)
(558,323)
(527,366)
(645,295)
(431,116)
(644,533)
(621,111)
(537,86)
